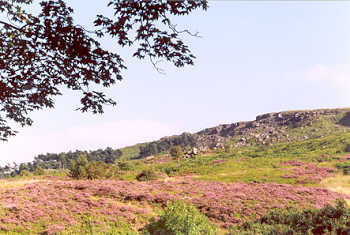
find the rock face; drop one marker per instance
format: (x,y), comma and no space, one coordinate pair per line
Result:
(270,128)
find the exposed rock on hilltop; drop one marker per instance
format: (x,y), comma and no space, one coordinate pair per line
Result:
(265,129)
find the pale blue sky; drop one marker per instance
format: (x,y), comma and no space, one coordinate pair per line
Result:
(253,58)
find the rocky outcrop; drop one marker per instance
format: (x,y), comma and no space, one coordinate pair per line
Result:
(266,129)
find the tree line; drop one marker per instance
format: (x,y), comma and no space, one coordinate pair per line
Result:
(60,161)
(163,145)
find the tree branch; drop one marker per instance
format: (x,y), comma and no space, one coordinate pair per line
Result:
(11,26)
(173,28)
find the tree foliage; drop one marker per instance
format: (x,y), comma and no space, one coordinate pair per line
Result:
(176,152)
(40,54)
(164,145)
(327,220)
(61,161)
(81,168)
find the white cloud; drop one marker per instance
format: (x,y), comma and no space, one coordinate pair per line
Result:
(29,143)
(336,77)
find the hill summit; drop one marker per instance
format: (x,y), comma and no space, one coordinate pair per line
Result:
(267,128)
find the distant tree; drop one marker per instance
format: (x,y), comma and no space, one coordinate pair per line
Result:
(78,170)
(227,147)
(149,149)
(147,175)
(176,152)
(42,53)
(39,171)
(347,148)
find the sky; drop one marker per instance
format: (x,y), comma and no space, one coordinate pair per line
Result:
(253,58)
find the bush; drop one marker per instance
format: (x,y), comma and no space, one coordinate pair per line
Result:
(347,148)
(78,167)
(176,152)
(124,165)
(227,148)
(99,170)
(345,166)
(82,169)
(25,173)
(147,175)
(327,220)
(39,171)
(171,170)
(180,218)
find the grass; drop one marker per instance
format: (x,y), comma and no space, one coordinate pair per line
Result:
(252,163)
(18,183)
(339,183)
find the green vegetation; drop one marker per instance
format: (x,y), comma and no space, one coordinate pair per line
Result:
(257,163)
(345,166)
(347,148)
(331,220)
(180,218)
(260,163)
(165,144)
(176,152)
(83,169)
(147,175)
(320,160)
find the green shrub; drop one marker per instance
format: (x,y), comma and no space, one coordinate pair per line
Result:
(251,228)
(78,167)
(124,165)
(180,218)
(171,170)
(327,220)
(147,175)
(82,169)
(347,148)
(39,171)
(99,170)
(88,226)
(25,173)
(227,147)
(345,166)
(176,152)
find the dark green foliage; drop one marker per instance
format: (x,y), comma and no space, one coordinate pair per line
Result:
(24,173)
(147,175)
(78,167)
(345,120)
(345,166)
(82,169)
(327,220)
(176,152)
(164,144)
(180,218)
(347,148)
(39,171)
(64,160)
(171,170)
(99,170)
(124,165)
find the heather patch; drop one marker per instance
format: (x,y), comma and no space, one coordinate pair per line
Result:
(306,172)
(60,205)
(50,206)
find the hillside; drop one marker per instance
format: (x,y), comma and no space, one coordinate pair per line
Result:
(227,186)
(268,128)
(293,164)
